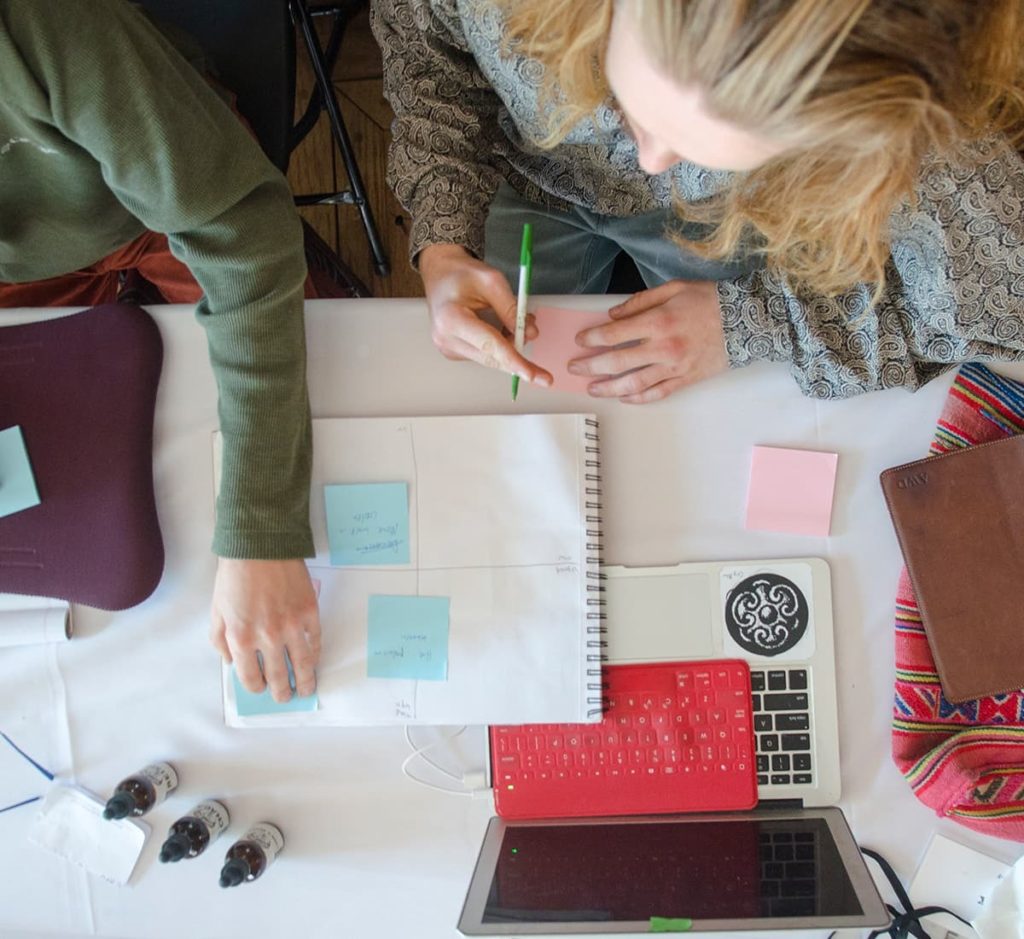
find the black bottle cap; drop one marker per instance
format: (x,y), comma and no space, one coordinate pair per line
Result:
(233,872)
(174,848)
(119,805)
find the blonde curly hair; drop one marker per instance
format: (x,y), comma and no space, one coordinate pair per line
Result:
(863,93)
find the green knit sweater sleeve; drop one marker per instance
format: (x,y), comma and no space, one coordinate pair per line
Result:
(177,159)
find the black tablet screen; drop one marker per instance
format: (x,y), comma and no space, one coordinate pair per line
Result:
(707,869)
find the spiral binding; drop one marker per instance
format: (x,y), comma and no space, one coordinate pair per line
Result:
(597,628)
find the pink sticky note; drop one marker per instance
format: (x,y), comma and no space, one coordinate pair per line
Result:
(555,344)
(791,490)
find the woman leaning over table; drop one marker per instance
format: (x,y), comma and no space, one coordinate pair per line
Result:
(832,183)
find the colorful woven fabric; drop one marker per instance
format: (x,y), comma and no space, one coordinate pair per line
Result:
(964,760)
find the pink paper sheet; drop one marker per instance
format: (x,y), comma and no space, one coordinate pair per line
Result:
(791,490)
(556,344)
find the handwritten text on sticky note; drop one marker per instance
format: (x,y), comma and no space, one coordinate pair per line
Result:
(368,523)
(407,637)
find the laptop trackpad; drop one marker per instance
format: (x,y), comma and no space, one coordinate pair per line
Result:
(658,618)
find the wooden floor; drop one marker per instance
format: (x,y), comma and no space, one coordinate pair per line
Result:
(317,166)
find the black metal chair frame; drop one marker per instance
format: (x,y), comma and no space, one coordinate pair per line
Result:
(250,47)
(323,98)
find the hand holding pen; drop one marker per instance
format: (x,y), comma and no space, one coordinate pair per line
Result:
(459,289)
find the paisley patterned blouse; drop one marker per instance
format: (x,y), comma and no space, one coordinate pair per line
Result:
(466,116)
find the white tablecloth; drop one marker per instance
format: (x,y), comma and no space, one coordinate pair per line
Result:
(367,852)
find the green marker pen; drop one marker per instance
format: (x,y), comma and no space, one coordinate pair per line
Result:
(525,265)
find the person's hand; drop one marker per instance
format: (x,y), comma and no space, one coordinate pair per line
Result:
(267,607)
(459,288)
(673,336)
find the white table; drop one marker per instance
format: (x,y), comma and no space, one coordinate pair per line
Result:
(368,853)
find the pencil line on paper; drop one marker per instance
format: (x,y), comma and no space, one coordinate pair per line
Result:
(398,569)
(416,490)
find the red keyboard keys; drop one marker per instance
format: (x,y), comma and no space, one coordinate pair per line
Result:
(675,737)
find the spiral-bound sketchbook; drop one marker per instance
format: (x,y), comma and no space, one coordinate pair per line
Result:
(500,549)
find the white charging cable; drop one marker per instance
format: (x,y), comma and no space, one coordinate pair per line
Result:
(469,782)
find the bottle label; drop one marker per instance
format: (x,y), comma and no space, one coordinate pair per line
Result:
(268,837)
(213,815)
(163,777)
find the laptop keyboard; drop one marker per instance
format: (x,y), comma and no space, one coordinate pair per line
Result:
(675,737)
(782,725)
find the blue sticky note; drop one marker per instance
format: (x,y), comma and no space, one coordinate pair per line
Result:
(407,637)
(17,484)
(248,704)
(368,523)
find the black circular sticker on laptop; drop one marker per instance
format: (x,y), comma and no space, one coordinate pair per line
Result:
(766,614)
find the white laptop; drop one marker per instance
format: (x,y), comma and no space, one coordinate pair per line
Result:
(776,614)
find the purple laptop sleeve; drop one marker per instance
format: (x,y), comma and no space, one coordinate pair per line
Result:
(83,389)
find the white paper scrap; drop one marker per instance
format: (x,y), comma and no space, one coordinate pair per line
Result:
(956,877)
(30,620)
(71,825)
(1002,916)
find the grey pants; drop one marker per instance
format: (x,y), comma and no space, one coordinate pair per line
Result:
(573,252)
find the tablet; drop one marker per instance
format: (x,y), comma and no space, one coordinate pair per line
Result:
(763,869)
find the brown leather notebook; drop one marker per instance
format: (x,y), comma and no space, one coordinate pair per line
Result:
(959,518)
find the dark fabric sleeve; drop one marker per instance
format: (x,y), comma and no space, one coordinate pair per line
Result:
(178,159)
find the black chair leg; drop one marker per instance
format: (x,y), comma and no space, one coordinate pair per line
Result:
(356,194)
